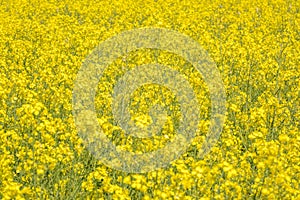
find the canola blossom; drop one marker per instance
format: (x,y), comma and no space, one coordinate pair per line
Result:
(50,143)
(158,39)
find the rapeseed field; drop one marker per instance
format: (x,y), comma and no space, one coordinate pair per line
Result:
(255,48)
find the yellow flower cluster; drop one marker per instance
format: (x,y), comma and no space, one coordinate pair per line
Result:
(255,45)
